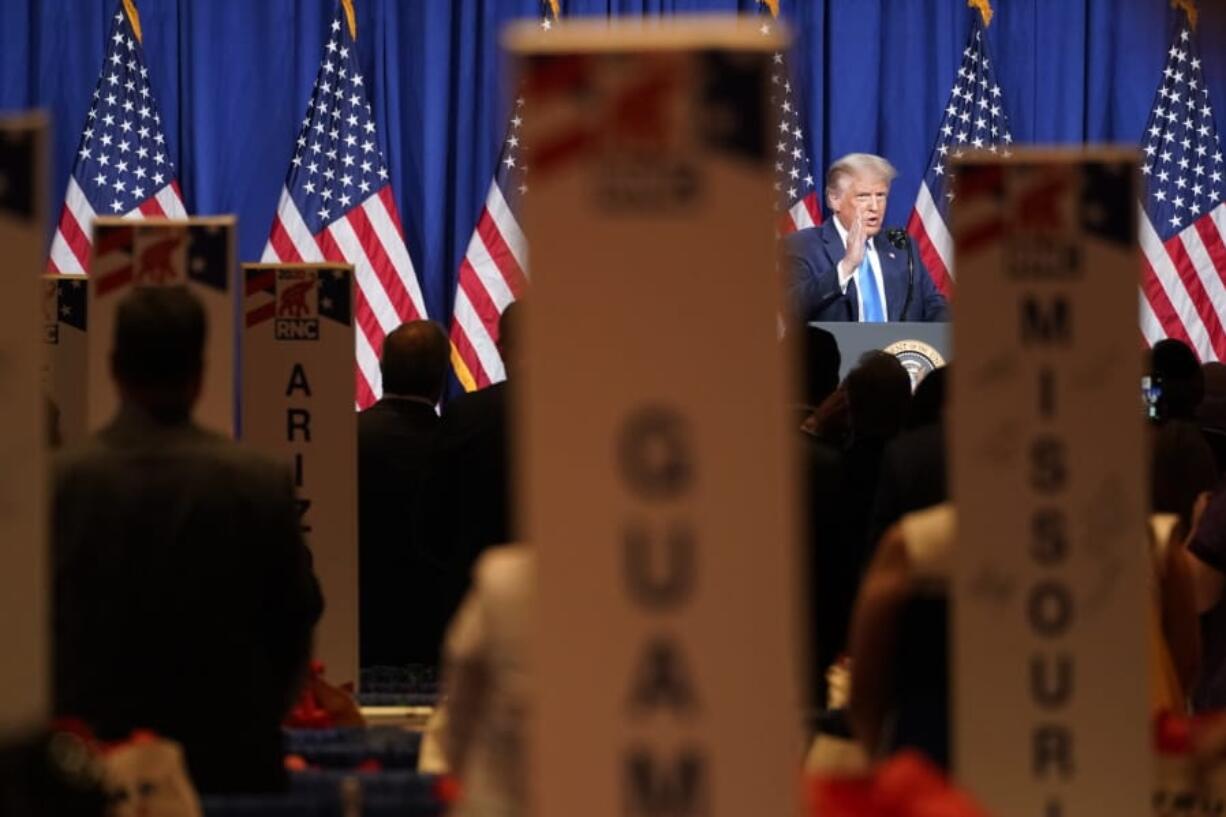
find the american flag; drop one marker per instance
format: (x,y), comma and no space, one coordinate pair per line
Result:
(338,204)
(797,203)
(122,167)
(974,119)
(1183,222)
(494,272)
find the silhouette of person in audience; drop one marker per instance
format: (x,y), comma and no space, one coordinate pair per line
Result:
(184,596)
(468,501)
(395,436)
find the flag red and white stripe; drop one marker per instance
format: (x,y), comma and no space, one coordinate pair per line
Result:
(492,276)
(974,118)
(1183,210)
(494,272)
(795,188)
(338,206)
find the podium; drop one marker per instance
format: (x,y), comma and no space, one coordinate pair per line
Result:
(921,347)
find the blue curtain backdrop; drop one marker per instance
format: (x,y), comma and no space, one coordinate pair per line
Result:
(233,76)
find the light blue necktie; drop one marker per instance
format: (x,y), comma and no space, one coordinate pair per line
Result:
(869,296)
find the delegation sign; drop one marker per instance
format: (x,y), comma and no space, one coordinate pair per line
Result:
(298,407)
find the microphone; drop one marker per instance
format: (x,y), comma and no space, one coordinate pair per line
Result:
(898,238)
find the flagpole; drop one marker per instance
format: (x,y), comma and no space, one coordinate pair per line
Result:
(129,7)
(1189,8)
(351,16)
(984,7)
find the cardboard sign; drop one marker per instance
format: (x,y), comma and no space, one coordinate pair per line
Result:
(24,581)
(197,253)
(65,324)
(657,463)
(1051,587)
(298,406)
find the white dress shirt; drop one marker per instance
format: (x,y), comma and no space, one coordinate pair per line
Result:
(874,262)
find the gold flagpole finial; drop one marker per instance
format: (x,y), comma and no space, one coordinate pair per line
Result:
(773,5)
(985,10)
(129,6)
(351,16)
(555,8)
(1189,8)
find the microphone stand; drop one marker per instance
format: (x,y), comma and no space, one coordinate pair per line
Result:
(910,279)
(899,238)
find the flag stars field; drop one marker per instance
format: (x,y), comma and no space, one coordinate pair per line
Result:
(116,158)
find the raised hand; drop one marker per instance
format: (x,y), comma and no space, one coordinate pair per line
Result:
(855,250)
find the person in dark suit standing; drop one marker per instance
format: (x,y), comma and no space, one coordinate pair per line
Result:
(842,484)
(184,597)
(845,270)
(394,440)
(468,504)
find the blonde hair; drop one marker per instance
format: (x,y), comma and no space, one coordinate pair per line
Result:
(857,164)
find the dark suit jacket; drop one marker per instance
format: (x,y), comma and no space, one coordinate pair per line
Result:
(841,485)
(913,477)
(184,597)
(813,256)
(394,441)
(466,505)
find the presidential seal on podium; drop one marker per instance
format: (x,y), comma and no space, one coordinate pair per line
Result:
(917,357)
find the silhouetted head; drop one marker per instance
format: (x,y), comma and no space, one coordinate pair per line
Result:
(157,359)
(878,395)
(414,361)
(821,361)
(1174,366)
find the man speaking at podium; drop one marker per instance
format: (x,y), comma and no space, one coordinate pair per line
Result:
(845,270)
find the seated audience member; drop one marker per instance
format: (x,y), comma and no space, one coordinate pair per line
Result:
(898,642)
(1211,413)
(467,502)
(1207,548)
(184,596)
(899,633)
(1186,392)
(487,683)
(1174,368)
(913,472)
(394,440)
(842,486)
(1182,472)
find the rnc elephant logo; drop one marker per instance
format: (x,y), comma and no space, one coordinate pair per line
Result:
(297,304)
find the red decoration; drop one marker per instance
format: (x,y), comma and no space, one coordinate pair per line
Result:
(907,785)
